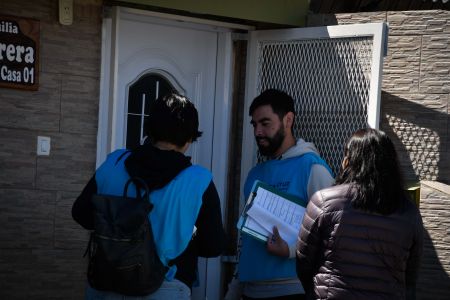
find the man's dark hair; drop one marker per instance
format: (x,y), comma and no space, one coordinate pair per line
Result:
(374,171)
(280,102)
(174,119)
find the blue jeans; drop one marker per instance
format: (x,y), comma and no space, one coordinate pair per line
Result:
(174,289)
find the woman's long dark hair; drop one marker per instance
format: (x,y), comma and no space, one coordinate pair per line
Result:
(374,172)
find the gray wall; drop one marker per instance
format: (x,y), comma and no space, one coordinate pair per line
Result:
(41,247)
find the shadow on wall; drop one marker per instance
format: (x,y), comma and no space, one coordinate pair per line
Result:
(419,130)
(433,282)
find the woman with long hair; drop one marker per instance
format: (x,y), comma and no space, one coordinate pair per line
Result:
(363,237)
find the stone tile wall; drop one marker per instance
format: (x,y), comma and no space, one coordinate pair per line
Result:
(42,247)
(434,279)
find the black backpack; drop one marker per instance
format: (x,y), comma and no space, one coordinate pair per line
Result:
(122,252)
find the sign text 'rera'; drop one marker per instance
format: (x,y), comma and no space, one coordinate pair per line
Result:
(19,53)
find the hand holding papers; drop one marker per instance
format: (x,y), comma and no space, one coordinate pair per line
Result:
(266,208)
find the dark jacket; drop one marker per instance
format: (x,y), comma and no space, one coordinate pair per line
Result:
(158,167)
(345,253)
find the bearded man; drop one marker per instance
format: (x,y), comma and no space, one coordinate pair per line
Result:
(267,271)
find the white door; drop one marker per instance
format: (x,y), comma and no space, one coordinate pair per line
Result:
(185,57)
(143,57)
(334,75)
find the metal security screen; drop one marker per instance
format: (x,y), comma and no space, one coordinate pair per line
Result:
(329,80)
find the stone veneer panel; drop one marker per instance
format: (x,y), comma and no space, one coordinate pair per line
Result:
(435,64)
(68,233)
(70,165)
(423,22)
(69,49)
(368,17)
(434,275)
(401,69)
(16,273)
(79,105)
(17,158)
(418,128)
(63,274)
(34,110)
(27,218)
(42,274)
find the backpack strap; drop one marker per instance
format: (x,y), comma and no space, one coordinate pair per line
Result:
(89,249)
(121,155)
(139,183)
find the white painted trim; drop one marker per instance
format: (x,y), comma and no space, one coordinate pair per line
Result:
(103,94)
(248,140)
(221,136)
(379,40)
(189,19)
(108,79)
(114,78)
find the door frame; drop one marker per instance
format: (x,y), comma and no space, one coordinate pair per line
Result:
(107,140)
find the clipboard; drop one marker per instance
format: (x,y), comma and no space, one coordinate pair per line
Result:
(267,207)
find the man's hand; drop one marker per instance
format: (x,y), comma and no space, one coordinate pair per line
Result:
(276,245)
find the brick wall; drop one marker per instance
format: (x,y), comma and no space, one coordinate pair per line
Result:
(41,247)
(415,113)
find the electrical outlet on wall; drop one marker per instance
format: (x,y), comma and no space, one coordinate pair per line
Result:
(66,12)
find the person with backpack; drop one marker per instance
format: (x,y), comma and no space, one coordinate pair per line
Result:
(182,222)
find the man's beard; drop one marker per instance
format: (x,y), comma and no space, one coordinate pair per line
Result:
(273,143)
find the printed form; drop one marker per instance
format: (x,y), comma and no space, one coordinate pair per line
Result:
(269,210)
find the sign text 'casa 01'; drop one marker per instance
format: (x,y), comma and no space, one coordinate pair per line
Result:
(19,53)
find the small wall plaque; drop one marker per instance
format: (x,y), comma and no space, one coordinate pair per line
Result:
(19,53)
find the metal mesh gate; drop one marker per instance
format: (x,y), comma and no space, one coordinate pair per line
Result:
(329,80)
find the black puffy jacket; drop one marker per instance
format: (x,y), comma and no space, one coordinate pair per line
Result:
(345,253)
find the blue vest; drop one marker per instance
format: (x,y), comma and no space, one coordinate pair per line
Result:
(289,175)
(176,205)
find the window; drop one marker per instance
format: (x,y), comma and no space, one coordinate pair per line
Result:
(141,93)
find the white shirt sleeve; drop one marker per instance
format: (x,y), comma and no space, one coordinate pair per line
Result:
(319,178)
(292,250)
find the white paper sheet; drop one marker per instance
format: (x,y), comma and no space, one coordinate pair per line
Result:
(269,210)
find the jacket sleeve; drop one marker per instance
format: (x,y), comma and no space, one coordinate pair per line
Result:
(308,243)
(414,259)
(210,235)
(82,209)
